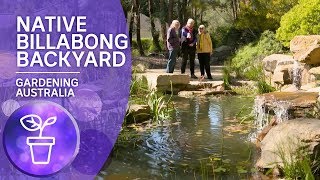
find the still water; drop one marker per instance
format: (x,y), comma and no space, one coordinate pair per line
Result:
(195,144)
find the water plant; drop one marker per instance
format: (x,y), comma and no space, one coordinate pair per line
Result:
(160,107)
(263,86)
(298,164)
(226,76)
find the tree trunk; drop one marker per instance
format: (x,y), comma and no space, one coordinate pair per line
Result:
(180,11)
(234,6)
(131,24)
(155,34)
(170,9)
(138,26)
(163,23)
(184,11)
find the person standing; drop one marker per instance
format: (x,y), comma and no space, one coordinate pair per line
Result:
(173,45)
(204,50)
(188,47)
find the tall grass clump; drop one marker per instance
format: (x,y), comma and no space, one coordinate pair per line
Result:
(299,164)
(138,89)
(161,107)
(226,75)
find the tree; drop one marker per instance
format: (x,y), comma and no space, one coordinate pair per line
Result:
(138,25)
(302,19)
(155,34)
(261,15)
(163,19)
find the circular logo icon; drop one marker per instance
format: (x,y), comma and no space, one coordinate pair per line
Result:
(41,138)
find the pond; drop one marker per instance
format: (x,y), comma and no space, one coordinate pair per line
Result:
(202,141)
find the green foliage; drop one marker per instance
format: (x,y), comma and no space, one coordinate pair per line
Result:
(298,164)
(160,107)
(225,35)
(247,62)
(302,19)
(261,15)
(138,89)
(226,77)
(147,45)
(264,87)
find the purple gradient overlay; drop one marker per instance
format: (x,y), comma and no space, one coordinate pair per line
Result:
(100,125)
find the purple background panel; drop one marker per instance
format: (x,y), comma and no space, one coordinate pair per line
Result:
(99,126)
(64,130)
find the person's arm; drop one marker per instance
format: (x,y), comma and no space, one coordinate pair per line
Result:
(195,38)
(169,36)
(184,33)
(210,43)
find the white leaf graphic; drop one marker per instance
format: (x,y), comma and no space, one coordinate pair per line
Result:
(50,121)
(31,122)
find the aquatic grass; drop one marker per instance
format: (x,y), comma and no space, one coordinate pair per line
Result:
(139,86)
(264,87)
(298,164)
(226,76)
(161,108)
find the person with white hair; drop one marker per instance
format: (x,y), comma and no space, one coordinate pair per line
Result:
(173,45)
(204,50)
(188,47)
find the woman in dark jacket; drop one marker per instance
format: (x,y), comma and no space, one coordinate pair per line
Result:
(173,44)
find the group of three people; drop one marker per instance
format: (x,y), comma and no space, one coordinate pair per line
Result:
(190,42)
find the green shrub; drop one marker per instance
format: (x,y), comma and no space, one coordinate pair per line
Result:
(161,108)
(247,62)
(302,19)
(261,15)
(226,76)
(264,87)
(147,46)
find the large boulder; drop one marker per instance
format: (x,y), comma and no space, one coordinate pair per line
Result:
(221,53)
(138,113)
(286,138)
(270,62)
(297,104)
(300,43)
(285,71)
(166,82)
(315,72)
(310,55)
(306,49)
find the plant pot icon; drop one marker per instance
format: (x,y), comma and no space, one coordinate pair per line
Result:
(41,148)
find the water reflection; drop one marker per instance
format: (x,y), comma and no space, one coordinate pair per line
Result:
(175,152)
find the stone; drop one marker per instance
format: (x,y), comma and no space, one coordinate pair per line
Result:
(139,68)
(196,85)
(289,88)
(296,99)
(221,53)
(315,71)
(270,62)
(162,82)
(298,104)
(265,131)
(178,81)
(138,113)
(286,138)
(311,55)
(284,72)
(300,43)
